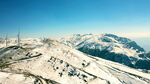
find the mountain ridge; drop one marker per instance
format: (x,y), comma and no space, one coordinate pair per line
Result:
(52,61)
(110,47)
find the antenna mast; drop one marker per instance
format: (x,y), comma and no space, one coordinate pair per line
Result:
(6,40)
(18,37)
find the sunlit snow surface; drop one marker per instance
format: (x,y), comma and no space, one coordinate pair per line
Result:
(111,47)
(99,41)
(53,63)
(11,78)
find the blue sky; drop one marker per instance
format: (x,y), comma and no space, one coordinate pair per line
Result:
(64,17)
(51,18)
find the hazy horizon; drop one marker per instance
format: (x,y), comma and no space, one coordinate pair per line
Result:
(54,18)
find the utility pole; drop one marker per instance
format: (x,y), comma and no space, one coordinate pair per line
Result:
(6,39)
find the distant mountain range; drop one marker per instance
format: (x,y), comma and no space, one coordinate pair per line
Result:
(110,47)
(47,61)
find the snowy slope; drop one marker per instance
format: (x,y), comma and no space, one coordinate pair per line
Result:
(12,78)
(110,47)
(13,41)
(52,62)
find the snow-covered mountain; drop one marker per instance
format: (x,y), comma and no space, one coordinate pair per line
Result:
(147,54)
(13,78)
(13,41)
(50,62)
(110,47)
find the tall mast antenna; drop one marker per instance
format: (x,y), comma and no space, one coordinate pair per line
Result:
(6,40)
(18,37)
